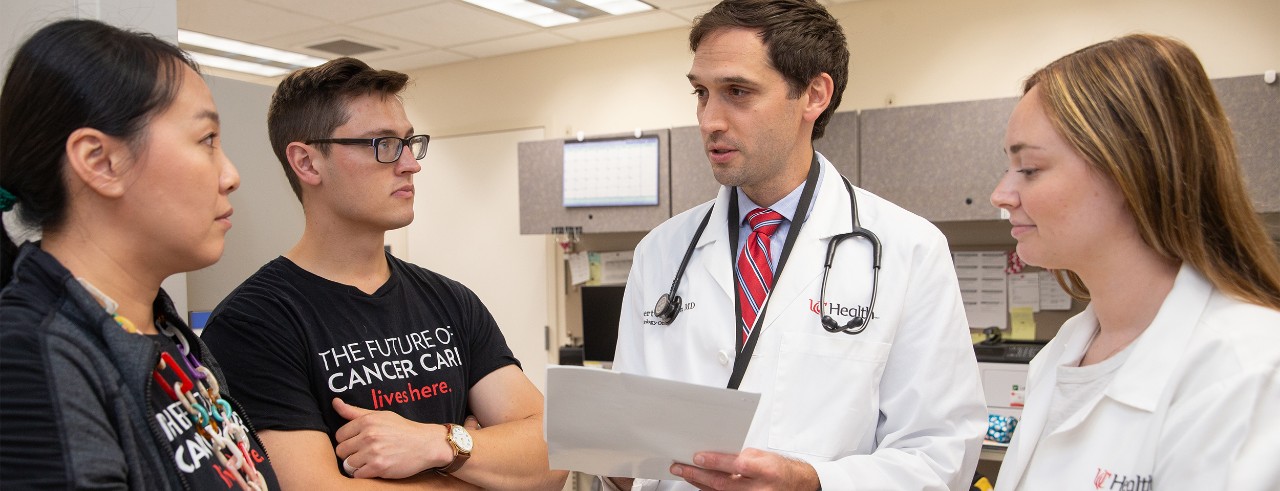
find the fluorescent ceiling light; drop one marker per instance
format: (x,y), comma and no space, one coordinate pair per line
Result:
(526,11)
(549,13)
(237,65)
(618,7)
(247,50)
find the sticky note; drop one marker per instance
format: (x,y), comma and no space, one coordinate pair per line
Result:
(1024,323)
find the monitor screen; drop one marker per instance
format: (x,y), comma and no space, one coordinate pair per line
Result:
(197,319)
(601,306)
(611,172)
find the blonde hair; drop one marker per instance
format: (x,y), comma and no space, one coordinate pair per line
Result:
(1141,110)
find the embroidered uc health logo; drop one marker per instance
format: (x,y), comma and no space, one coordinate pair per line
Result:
(1101,478)
(1109,480)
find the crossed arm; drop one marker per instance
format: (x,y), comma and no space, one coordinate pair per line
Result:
(391,452)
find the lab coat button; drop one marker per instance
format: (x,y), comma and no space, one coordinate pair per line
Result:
(723,357)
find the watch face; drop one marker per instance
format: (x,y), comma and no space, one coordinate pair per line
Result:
(461,438)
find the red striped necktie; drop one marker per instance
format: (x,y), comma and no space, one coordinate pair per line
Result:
(755,266)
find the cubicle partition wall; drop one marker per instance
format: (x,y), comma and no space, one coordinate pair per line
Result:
(1254,109)
(542,207)
(940,161)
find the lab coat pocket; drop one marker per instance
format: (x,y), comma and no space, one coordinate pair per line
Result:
(826,393)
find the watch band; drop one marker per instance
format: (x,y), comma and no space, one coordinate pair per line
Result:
(459,457)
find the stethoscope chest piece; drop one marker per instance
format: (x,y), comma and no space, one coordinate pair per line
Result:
(855,325)
(667,308)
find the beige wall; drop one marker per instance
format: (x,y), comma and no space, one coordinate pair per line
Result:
(906,51)
(463,228)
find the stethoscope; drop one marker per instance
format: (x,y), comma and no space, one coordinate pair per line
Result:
(669,304)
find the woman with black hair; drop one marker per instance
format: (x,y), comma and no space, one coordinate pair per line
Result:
(109,147)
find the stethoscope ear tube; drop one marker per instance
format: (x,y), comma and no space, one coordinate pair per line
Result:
(668,306)
(858,323)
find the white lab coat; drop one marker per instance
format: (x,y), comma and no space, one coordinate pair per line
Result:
(1195,406)
(898,406)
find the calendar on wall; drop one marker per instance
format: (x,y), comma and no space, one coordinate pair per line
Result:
(611,172)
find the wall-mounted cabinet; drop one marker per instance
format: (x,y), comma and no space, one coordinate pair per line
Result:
(939,161)
(542,207)
(1253,106)
(840,144)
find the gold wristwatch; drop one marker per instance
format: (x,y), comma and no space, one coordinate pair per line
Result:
(461,442)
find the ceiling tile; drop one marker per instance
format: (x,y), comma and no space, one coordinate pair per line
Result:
(601,28)
(513,44)
(688,13)
(447,24)
(345,11)
(299,41)
(409,62)
(241,20)
(675,4)
(243,77)
(413,33)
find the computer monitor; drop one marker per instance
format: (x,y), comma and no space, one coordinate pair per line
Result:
(601,306)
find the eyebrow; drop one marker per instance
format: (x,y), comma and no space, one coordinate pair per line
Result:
(209,114)
(1018,147)
(733,79)
(383,132)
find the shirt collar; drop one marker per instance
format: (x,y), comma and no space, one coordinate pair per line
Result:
(785,206)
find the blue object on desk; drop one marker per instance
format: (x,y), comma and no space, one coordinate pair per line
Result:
(1000,428)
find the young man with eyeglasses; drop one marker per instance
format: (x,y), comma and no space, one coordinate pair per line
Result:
(360,370)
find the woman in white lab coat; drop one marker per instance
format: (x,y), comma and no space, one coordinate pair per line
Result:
(1123,178)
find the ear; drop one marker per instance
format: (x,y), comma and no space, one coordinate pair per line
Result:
(98,160)
(818,96)
(302,162)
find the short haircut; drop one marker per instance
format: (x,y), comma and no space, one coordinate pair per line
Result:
(803,41)
(1141,110)
(312,102)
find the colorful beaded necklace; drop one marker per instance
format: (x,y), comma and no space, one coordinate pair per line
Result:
(228,438)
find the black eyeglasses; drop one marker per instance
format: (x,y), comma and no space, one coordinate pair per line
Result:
(385,148)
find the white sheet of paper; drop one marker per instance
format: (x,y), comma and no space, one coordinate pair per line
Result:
(623,425)
(579,268)
(1024,291)
(1052,296)
(982,288)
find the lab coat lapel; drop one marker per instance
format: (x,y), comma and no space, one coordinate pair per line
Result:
(713,246)
(1071,341)
(1140,383)
(1142,380)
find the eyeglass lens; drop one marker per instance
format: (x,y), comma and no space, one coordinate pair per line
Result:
(388,148)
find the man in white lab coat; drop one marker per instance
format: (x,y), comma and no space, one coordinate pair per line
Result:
(882,395)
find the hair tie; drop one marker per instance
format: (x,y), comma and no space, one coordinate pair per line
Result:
(7,200)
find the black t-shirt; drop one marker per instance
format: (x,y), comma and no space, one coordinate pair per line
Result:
(192,453)
(290,341)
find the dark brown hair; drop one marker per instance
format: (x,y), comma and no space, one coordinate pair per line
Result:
(312,102)
(803,41)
